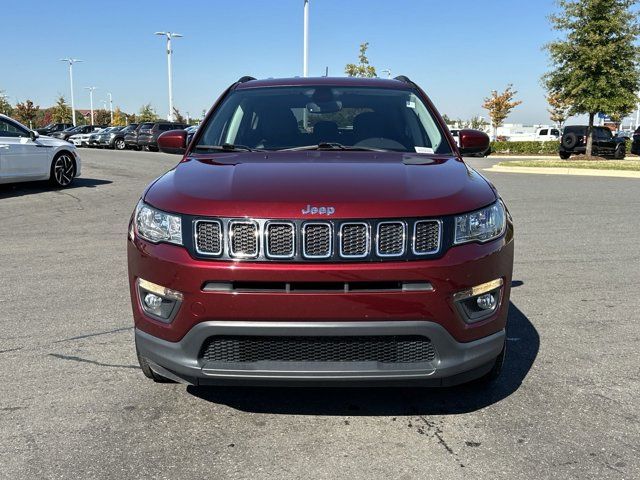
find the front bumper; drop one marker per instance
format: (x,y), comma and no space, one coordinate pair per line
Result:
(454,363)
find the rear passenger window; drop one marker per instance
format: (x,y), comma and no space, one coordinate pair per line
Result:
(544,131)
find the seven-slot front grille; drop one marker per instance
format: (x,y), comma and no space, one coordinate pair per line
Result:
(208,237)
(426,237)
(319,241)
(280,239)
(316,238)
(354,240)
(391,239)
(243,238)
(383,349)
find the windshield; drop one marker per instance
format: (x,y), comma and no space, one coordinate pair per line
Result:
(277,118)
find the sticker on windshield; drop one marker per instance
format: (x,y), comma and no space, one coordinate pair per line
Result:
(424,150)
(411,104)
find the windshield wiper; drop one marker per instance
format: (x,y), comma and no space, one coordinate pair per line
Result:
(228,147)
(332,146)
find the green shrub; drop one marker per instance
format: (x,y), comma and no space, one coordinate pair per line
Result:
(525,148)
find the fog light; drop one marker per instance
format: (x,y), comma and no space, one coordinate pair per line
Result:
(479,302)
(486,301)
(152,301)
(158,302)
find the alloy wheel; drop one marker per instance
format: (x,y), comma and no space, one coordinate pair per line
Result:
(64,170)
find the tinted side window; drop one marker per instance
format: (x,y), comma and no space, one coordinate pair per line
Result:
(8,129)
(544,131)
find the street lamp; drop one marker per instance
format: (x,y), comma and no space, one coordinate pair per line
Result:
(71,61)
(169,36)
(387,71)
(305,54)
(110,106)
(91,89)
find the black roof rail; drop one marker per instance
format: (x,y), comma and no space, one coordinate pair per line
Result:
(246,78)
(403,78)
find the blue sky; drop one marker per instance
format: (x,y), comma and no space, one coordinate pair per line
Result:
(458,51)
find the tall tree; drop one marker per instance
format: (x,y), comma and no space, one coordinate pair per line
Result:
(177,116)
(147,113)
(119,118)
(26,112)
(61,112)
(362,69)
(558,109)
(499,106)
(102,117)
(5,106)
(596,62)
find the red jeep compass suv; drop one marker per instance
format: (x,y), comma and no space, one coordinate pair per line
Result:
(321,229)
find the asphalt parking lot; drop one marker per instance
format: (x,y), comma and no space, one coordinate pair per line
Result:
(74,403)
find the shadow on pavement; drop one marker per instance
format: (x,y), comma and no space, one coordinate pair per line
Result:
(10,190)
(523,343)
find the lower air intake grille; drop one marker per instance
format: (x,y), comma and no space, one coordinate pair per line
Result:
(383,349)
(427,237)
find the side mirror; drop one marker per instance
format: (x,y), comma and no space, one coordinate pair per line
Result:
(473,142)
(173,141)
(33,135)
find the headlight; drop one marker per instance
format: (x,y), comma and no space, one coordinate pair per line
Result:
(157,226)
(482,225)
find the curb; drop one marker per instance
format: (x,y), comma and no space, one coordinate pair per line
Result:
(565,171)
(524,157)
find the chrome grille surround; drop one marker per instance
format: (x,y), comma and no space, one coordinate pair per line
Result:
(244,238)
(423,238)
(317,238)
(384,236)
(277,242)
(354,237)
(208,237)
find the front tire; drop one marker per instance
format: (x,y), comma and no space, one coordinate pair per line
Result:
(63,170)
(493,374)
(565,156)
(119,144)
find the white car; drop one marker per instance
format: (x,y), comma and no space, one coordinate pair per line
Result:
(26,156)
(82,139)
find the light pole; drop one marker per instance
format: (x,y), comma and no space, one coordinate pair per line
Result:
(71,61)
(110,106)
(169,36)
(388,72)
(91,89)
(305,41)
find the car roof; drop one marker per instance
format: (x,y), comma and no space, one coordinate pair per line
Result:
(326,81)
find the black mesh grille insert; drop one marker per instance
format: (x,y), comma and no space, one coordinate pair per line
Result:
(280,240)
(244,239)
(317,240)
(427,236)
(384,349)
(391,239)
(354,240)
(209,238)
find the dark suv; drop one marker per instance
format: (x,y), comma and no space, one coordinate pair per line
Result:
(54,127)
(574,142)
(149,133)
(131,137)
(118,140)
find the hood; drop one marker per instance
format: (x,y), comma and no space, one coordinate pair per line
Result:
(53,142)
(291,184)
